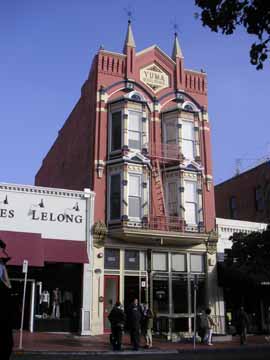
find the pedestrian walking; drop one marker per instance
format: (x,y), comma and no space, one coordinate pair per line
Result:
(147,325)
(117,319)
(242,323)
(209,323)
(202,323)
(134,320)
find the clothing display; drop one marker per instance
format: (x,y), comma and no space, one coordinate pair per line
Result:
(56,300)
(67,303)
(44,301)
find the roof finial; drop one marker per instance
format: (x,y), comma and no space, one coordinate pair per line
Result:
(129,41)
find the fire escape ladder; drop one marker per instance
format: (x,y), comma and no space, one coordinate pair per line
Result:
(158,183)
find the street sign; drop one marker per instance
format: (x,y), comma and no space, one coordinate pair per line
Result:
(25,266)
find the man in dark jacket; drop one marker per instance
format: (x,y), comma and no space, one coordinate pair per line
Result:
(117,319)
(6,339)
(242,325)
(135,317)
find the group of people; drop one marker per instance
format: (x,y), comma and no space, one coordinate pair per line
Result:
(138,319)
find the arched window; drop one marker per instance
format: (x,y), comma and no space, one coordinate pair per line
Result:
(189,106)
(134,95)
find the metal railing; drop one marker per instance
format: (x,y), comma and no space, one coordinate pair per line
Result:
(163,223)
(169,152)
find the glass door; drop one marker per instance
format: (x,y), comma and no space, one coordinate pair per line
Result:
(111,295)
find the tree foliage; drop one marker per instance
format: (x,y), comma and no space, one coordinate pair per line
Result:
(253,15)
(248,261)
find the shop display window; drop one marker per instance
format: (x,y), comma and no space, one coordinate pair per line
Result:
(180,294)
(112,259)
(161,295)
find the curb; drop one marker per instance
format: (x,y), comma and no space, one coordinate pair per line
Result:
(239,349)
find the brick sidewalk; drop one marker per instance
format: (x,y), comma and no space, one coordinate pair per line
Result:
(74,343)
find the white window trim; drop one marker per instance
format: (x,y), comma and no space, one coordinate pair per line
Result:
(110,131)
(109,220)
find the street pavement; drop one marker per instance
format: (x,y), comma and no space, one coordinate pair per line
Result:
(52,346)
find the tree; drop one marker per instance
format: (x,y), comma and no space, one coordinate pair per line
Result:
(253,15)
(247,263)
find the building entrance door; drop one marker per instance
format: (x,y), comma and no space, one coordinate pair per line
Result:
(111,295)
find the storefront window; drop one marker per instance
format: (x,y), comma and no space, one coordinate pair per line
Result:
(196,263)
(132,260)
(161,295)
(179,262)
(160,261)
(200,300)
(112,258)
(179,294)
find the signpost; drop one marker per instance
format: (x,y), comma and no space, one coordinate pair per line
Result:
(25,271)
(195,284)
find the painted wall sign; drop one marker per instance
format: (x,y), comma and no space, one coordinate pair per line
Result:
(154,77)
(45,212)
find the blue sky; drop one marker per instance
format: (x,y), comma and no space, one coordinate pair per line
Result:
(46,49)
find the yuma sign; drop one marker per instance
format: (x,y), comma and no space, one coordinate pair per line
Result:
(154,78)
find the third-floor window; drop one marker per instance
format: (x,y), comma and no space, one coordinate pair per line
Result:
(116,131)
(188,139)
(134,130)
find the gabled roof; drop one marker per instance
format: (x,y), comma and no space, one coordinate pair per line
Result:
(159,49)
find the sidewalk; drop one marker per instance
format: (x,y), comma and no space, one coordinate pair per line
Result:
(54,342)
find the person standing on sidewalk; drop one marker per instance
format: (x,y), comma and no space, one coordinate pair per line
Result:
(134,319)
(242,323)
(117,319)
(147,325)
(209,327)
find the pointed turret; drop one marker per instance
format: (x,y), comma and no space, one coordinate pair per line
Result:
(177,52)
(130,51)
(178,57)
(129,42)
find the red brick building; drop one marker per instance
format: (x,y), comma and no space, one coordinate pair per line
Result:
(245,196)
(139,137)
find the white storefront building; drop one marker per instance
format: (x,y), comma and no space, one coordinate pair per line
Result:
(51,229)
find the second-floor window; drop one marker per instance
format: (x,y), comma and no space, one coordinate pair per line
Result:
(134,198)
(135,130)
(188,139)
(116,131)
(115,197)
(191,206)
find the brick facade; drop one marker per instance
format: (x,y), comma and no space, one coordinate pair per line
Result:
(250,192)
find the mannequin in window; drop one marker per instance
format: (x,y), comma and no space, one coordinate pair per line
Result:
(44,302)
(56,300)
